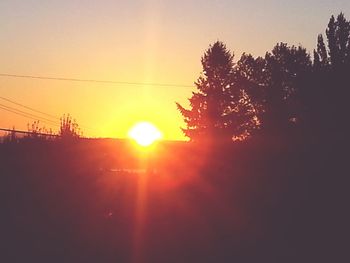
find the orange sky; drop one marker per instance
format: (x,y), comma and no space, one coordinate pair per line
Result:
(134,41)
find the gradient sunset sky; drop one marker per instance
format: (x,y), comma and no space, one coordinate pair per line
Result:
(134,41)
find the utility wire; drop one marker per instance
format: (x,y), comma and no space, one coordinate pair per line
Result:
(97,81)
(29,108)
(26,115)
(32,109)
(28,132)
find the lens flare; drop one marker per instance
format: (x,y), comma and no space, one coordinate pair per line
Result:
(144,133)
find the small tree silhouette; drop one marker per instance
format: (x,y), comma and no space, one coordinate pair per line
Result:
(34,130)
(38,132)
(69,128)
(10,137)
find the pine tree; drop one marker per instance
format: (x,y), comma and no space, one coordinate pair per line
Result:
(219,108)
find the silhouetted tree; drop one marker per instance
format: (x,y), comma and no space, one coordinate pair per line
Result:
(338,40)
(10,137)
(321,59)
(326,98)
(219,108)
(275,94)
(250,75)
(287,69)
(69,128)
(36,131)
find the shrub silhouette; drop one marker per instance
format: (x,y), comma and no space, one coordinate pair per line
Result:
(69,128)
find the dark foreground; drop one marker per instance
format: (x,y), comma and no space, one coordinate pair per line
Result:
(183,203)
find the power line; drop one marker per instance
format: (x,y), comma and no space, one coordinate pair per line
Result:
(26,115)
(28,132)
(41,112)
(29,108)
(97,81)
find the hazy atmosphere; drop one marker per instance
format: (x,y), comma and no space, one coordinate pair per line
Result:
(174,131)
(154,42)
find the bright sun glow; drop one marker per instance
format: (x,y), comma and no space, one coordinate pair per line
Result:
(144,133)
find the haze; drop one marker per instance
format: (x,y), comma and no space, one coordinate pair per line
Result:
(135,41)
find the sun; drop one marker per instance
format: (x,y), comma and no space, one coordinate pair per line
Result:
(144,133)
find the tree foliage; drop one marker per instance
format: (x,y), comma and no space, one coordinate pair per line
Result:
(283,92)
(219,108)
(286,68)
(326,98)
(338,40)
(69,128)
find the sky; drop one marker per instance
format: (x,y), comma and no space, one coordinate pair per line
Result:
(134,41)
